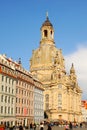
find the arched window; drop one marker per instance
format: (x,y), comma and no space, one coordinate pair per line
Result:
(59,96)
(47,106)
(47,98)
(45,33)
(59,86)
(59,101)
(51,34)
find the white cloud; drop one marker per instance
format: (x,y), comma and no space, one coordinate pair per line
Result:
(79,59)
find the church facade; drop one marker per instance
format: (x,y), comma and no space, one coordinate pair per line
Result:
(62,94)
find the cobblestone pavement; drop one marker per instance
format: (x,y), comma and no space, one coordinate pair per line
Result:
(62,128)
(53,128)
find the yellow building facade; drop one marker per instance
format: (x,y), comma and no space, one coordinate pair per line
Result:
(62,95)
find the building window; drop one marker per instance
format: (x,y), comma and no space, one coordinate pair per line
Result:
(45,33)
(16,100)
(9,80)
(5,110)
(16,90)
(8,110)
(47,106)
(1,109)
(11,110)
(2,78)
(22,101)
(59,96)
(19,100)
(51,34)
(22,110)
(19,110)
(16,110)
(9,89)
(5,99)
(12,91)
(59,101)
(6,79)
(12,100)
(12,82)
(59,108)
(2,88)
(8,99)
(59,86)
(22,91)
(47,97)
(6,89)
(2,98)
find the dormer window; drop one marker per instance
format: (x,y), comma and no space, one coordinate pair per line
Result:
(45,33)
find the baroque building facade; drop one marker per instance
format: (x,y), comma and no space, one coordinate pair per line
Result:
(19,92)
(62,94)
(7,91)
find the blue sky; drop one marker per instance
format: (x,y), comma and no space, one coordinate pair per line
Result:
(20,22)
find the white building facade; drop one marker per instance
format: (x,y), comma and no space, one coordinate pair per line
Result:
(7,92)
(38,103)
(18,90)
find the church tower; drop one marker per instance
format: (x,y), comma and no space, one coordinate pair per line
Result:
(47,56)
(47,64)
(47,32)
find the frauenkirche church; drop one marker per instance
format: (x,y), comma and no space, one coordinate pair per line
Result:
(62,94)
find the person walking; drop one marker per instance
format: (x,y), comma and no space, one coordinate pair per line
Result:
(66,126)
(20,127)
(34,126)
(70,126)
(49,127)
(31,126)
(41,126)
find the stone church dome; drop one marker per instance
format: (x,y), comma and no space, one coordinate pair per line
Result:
(62,95)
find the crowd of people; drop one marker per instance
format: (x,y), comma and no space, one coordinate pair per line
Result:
(67,126)
(49,126)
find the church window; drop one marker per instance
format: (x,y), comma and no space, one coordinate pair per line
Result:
(45,33)
(47,106)
(59,101)
(59,108)
(59,96)
(60,86)
(51,34)
(47,98)
(47,101)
